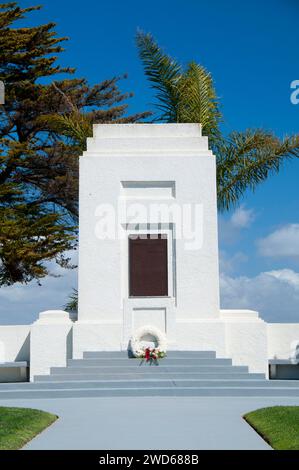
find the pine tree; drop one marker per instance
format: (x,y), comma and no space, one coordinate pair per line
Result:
(39,164)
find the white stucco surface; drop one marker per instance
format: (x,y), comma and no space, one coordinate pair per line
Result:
(147,164)
(281,339)
(204,335)
(15,343)
(50,342)
(92,336)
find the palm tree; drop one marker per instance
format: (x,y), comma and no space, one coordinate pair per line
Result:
(72,302)
(244,159)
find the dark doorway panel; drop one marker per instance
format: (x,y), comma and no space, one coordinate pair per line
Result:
(148,274)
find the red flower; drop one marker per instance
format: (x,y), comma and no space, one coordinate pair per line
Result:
(147,354)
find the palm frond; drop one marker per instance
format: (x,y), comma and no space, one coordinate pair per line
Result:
(164,74)
(72,303)
(246,159)
(75,126)
(198,100)
(182,95)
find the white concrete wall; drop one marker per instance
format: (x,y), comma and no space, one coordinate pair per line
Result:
(116,155)
(238,334)
(246,344)
(246,339)
(15,343)
(280,339)
(201,335)
(51,342)
(96,337)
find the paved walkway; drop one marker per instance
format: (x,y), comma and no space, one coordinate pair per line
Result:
(150,423)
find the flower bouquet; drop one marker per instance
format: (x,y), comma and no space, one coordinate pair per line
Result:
(151,355)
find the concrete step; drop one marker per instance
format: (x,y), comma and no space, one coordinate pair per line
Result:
(181,373)
(150,392)
(140,376)
(108,362)
(150,383)
(170,354)
(105,354)
(153,369)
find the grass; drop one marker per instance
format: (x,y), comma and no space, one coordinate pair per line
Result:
(20,425)
(278,425)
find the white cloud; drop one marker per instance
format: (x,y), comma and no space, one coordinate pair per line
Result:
(242,218)
(229,263)
(283,242)
(286,275)
(21,303)
(274,294)
(230,228)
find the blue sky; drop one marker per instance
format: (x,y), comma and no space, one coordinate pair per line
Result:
(251,49)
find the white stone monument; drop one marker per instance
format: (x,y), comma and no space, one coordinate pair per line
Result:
(148,179)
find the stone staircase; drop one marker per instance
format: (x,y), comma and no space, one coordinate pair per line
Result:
(181,373)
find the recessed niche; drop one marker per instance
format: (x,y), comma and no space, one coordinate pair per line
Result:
(150,316)
(148,189)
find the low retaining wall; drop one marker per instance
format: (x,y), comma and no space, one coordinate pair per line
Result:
(281,338)
(51,342)
(238,334)
(246,339)
(15,343)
